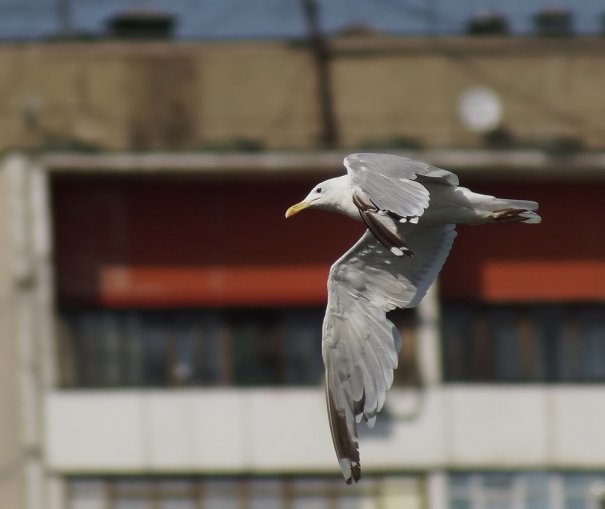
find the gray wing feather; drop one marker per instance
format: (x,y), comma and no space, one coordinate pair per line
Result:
(394,183)
(360,345)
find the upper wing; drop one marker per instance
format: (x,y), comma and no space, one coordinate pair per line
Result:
(360,346)
(394,183)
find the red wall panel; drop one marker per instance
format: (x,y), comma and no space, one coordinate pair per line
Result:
(151,241)
(563,258)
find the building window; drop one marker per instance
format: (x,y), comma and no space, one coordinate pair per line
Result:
(236,493)
(523,343)
(526,490)
(177,348)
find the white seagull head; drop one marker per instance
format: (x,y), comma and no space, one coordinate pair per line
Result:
(333,195)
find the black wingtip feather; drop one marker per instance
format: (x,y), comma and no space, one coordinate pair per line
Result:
(345,443)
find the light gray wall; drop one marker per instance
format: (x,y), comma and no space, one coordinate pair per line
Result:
(12,453)
(26,358)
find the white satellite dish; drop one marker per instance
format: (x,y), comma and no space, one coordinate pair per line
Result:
(480,109)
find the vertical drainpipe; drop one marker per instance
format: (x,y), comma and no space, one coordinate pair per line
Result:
(429,341)
(328,137)
(429,358)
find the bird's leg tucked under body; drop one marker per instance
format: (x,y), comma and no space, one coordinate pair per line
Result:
(511,215)
(381,224)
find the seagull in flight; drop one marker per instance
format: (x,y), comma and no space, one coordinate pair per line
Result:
(411,210)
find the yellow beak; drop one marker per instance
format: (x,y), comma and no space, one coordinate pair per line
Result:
(295,209)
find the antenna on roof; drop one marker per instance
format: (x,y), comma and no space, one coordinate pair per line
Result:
(64,18)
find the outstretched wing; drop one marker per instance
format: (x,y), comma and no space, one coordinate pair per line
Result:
(389,189)
(360,346)
(394,183)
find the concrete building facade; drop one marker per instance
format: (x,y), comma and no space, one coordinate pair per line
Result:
(160,321)
(387,92)
(93,421)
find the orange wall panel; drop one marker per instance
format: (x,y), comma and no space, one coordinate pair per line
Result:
(543,280)
(213,286)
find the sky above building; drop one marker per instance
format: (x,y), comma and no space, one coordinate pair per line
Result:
(237,19)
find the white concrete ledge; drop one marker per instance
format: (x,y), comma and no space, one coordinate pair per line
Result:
(514,164)
(229,430)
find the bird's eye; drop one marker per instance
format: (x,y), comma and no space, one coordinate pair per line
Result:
(318,190)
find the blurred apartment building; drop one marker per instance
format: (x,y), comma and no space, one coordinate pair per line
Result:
(161,321)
